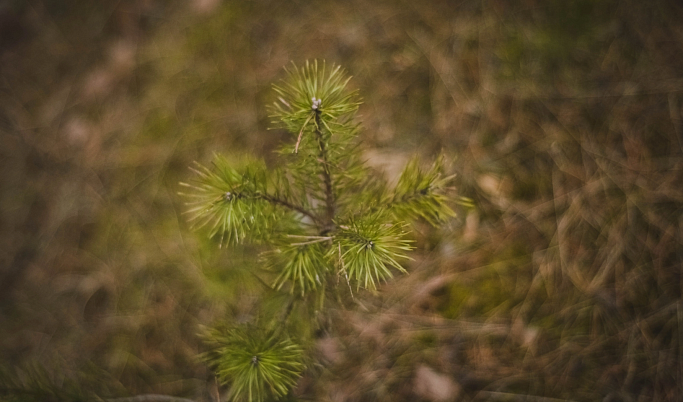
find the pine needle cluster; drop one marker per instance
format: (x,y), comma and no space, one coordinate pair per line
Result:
(259,365)
(323,215)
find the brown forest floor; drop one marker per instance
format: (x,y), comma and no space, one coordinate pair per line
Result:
(562,120)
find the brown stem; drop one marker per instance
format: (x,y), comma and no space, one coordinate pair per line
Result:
(282,323)
(328,224)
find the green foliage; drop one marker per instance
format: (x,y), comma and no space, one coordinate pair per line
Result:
(296,97)
(232,202)
(256,364)
(324,214)
(421,194)
(303,266)
(367,248)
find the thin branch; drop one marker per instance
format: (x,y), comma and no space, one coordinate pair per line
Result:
(288,311)
(396,201)
(281,324)
(407,198)
(289,205)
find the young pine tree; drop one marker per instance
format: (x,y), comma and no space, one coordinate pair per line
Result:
(326,220)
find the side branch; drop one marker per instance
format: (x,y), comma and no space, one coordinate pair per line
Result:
(288,205)
(408,198)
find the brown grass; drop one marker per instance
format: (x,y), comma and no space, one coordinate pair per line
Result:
(563,122)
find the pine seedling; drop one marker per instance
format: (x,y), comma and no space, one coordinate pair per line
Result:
(323,215)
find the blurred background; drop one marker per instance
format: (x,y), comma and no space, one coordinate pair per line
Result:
(562,120)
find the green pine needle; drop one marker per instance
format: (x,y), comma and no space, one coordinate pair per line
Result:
(421,194)
(310,89)
(303,264)
(367,248)
(325,208)
(257,366)
(232,203)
